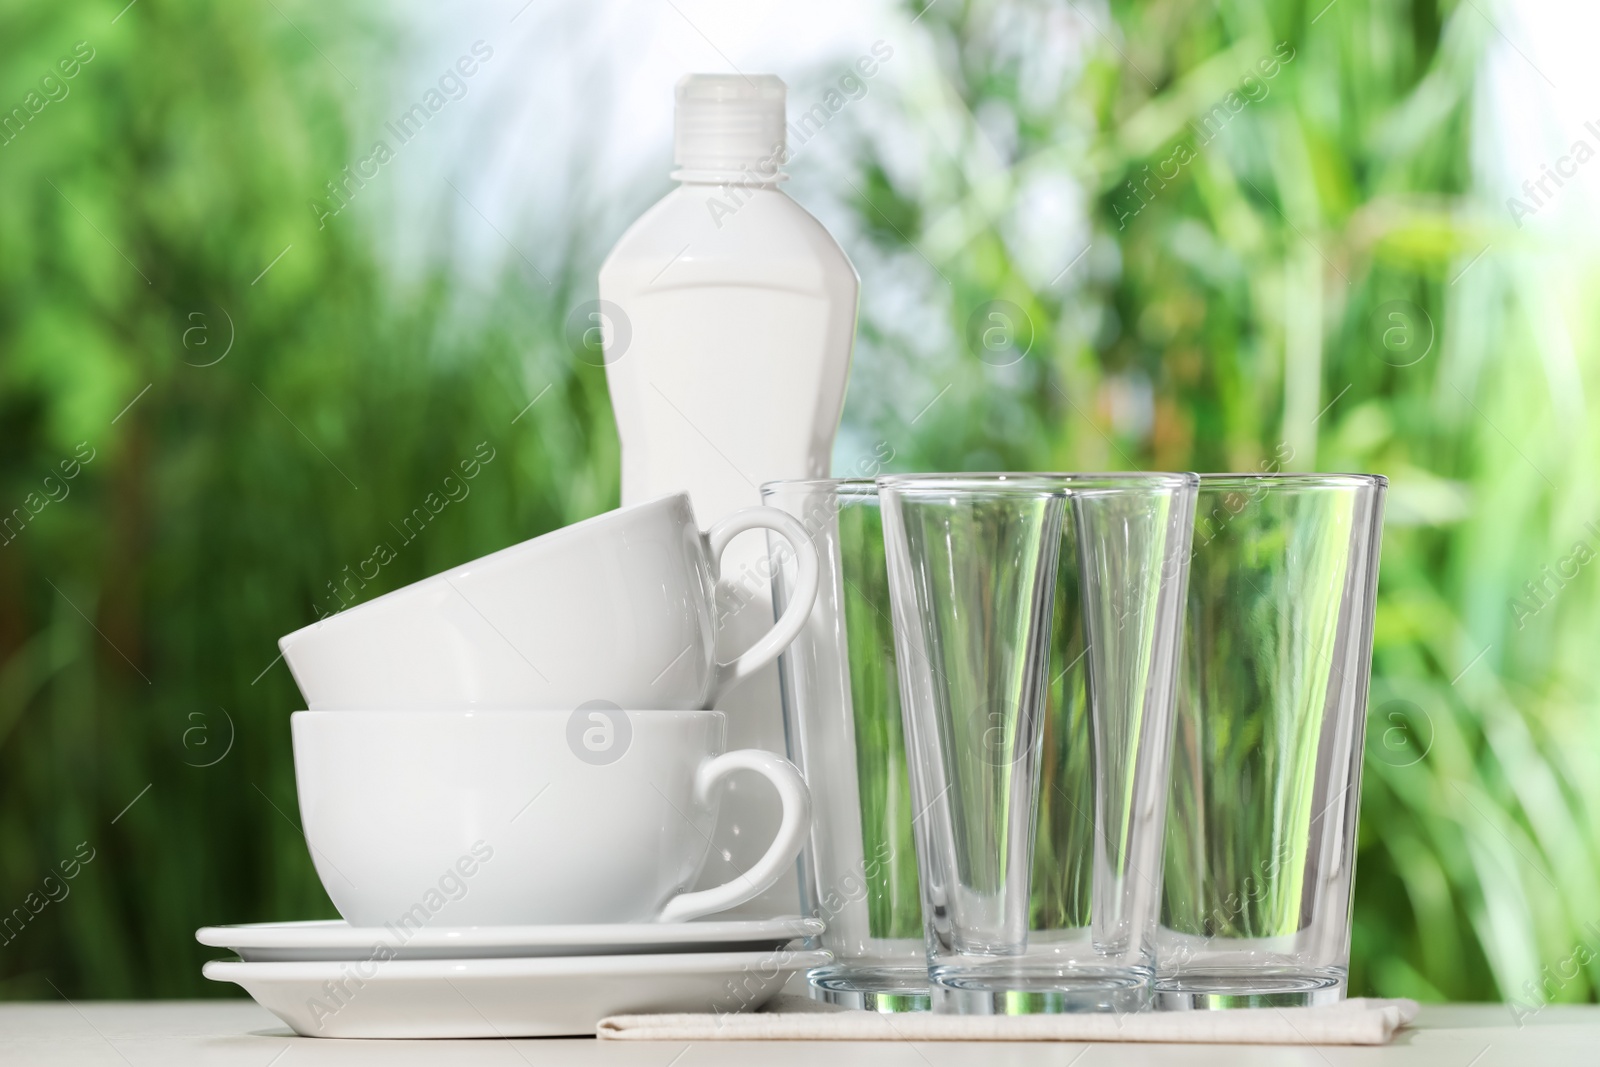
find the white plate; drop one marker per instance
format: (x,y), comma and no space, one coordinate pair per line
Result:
(546,997)
(335,939)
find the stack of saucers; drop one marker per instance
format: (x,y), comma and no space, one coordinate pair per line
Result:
(331,979)
(508,782)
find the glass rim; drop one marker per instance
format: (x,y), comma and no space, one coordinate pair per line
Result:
(815,484)
(1293,479)
(1020,484)
(1080,479)
(1068,481)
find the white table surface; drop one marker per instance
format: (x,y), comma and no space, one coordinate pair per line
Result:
(238,1032)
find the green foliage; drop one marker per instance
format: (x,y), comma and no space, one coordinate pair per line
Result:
(1293,281)
(225,504)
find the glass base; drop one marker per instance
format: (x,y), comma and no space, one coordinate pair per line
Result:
(962,991)
(880,989)
(1202,991)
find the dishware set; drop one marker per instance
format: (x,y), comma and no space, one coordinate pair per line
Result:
(1061,742)
(508,777)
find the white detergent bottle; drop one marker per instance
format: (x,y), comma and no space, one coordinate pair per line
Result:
(728,315)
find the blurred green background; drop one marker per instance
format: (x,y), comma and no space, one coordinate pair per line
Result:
(1225,235)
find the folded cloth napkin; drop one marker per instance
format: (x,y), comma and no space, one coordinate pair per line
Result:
(787,1018)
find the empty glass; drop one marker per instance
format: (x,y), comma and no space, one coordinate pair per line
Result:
(841,706)
(1266,770)
(1036,622)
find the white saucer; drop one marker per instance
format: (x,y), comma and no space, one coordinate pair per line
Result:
(549,997)
(335,939)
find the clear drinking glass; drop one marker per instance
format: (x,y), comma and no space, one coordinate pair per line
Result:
(841,707)
(1266,769)
(1036,621)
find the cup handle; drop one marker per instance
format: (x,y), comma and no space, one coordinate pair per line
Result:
(780,855)
(793,620)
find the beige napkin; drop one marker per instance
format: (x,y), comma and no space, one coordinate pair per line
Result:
(787,1018)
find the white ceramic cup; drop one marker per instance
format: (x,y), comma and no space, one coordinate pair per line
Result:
(620,607)
(494,818)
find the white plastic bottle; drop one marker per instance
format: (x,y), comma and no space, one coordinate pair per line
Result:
(731,315)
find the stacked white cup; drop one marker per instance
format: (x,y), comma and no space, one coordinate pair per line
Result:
(525,739)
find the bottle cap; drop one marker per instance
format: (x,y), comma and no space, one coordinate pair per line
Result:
(727,123)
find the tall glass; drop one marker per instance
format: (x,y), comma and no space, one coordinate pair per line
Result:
(1036,621)
(841,707)
(1266,774)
